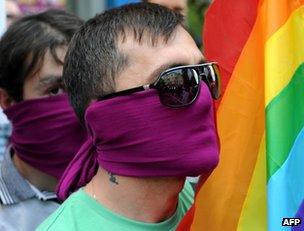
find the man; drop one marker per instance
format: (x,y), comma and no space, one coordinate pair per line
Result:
(144,141)
(179,6)
(46,133)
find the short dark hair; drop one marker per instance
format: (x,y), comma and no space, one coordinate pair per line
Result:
(93,59)
(23,46)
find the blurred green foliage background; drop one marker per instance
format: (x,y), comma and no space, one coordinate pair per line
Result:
(195,17)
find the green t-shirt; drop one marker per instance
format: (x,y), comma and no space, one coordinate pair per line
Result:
(82,212)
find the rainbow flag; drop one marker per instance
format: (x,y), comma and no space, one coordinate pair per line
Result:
(259,45)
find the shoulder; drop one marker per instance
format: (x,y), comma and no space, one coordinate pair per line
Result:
(54,221)
(9,214)
(65,217)
(186,196)
(60,219)
(187,191)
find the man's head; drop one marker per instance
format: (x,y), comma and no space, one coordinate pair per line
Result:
(13,11)
(140,135)
(179,6)
(32,53)
(124,48)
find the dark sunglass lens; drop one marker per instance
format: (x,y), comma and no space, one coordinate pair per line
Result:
(211,77)
(179,87)
(217,92)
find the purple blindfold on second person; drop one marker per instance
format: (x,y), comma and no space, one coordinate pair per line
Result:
(46,133)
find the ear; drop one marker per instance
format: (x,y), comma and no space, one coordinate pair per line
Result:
(5,100)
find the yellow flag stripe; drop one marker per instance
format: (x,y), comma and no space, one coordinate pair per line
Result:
(283,55)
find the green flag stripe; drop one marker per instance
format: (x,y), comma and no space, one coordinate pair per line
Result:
(284,120)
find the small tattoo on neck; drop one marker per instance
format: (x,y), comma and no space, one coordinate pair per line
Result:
(112,178)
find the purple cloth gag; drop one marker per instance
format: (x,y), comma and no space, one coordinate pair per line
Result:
(136,135)
(46,133)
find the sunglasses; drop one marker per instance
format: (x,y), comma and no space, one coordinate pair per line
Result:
(180,86)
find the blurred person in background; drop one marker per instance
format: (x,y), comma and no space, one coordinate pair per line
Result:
(13,12)
(136,78)
(5,132)
(45,131)
(192,10)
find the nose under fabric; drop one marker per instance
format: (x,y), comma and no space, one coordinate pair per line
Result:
(135,135)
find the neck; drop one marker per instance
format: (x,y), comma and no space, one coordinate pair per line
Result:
(149,200)
(37,178)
